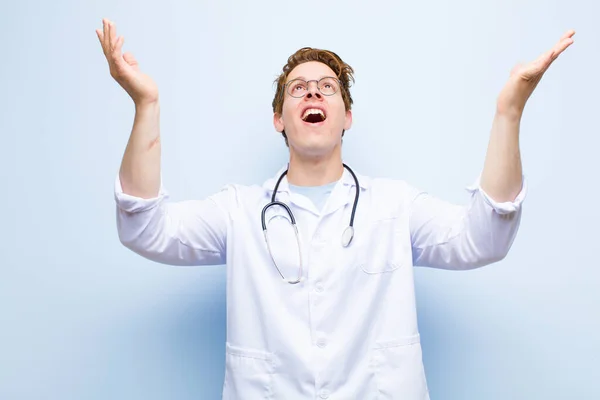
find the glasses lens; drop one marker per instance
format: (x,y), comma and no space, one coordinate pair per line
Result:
(297,88)
(328,86)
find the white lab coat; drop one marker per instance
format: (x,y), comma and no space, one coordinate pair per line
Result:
(349,329)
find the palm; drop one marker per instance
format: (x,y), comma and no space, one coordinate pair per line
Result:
(525,77)
(124,68)
(539,66)
(139,80)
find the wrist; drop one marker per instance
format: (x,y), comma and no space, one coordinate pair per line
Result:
(144,105)
(511,112)
(512,99)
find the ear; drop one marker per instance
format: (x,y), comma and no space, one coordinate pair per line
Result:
(348,121)
(278,122)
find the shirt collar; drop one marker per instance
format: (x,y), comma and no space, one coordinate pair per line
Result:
(347,180)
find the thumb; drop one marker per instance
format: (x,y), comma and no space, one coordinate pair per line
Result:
(516,68)
(130,59)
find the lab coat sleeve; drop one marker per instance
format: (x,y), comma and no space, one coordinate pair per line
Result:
(451,236)
(177,233)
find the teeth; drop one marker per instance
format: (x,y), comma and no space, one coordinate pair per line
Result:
(313,111)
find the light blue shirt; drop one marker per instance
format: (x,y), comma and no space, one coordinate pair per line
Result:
(317,194)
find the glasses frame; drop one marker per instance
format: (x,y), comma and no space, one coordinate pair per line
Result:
(286,86)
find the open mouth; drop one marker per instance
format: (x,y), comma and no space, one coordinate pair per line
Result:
(313,115)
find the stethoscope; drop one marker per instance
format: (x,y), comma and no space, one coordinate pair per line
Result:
(347,235)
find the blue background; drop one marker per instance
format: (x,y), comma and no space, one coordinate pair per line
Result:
(81,317)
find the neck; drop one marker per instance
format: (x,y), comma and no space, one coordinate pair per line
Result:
(314,171)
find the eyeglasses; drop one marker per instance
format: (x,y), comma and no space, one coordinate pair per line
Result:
(328,86)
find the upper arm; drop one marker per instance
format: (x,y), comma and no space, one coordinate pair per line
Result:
(190,232)
(452,236)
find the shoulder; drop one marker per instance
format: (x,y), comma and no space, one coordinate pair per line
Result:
(234,195)
(390,187)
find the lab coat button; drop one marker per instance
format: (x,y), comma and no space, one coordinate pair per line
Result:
(321,342)
(318,287)
(324,394)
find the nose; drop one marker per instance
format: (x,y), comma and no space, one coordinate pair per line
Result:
(313,90)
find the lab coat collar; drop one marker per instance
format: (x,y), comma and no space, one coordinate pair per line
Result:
(347,180)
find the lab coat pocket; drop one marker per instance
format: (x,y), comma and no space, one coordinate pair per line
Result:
(399,371)
(382,248)
(248,373)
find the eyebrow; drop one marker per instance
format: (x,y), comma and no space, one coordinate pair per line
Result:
(303,78)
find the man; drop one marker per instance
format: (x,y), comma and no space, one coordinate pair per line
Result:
(329,313)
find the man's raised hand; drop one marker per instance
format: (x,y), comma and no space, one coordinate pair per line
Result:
(124,68)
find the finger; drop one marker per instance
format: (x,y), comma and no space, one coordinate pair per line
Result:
(539,66)
(101,39)
(130,59)
(109,39)
(565,41)
(113,34)
(568,34)
(117,49)
(105,35)
(560,47)
(544,59)
(535,68)
(119,44)
(109,36)
(551,55)
(115,54)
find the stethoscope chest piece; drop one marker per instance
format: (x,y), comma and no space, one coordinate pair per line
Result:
(347,236)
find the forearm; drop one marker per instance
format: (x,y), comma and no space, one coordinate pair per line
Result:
(502,173)
(140,167)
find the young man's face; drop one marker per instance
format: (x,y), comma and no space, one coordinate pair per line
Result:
(318,134)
